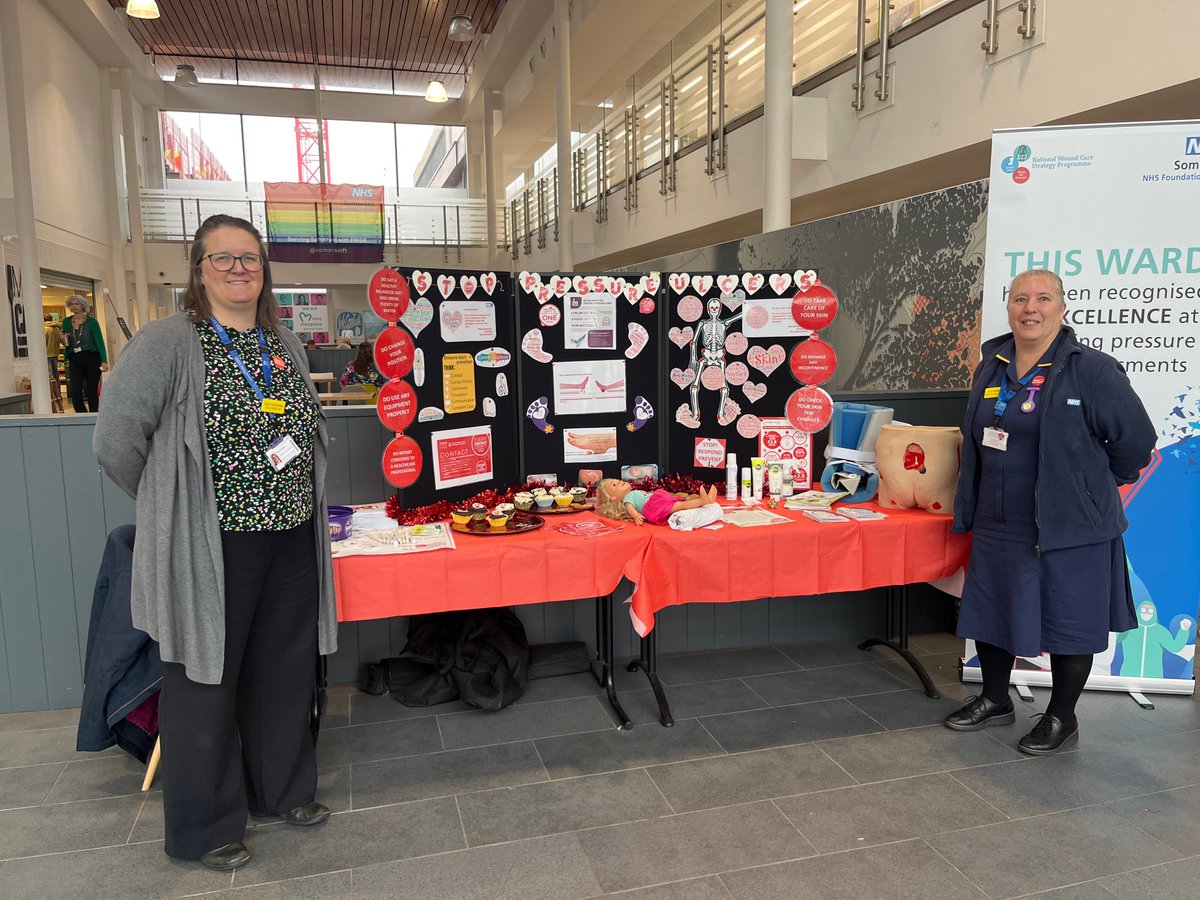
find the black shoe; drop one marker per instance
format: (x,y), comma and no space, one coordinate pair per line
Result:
(227,858)
(1050,735)
(309,814)
(980,712)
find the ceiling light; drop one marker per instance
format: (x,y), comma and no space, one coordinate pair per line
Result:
(185,75)
(436,92)
(142,9)
(462,28)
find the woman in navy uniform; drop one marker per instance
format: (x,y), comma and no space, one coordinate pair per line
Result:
(1052,428)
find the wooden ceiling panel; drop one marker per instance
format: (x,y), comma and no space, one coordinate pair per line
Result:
(405,35)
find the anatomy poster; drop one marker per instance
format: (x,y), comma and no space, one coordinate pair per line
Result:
(590,321)
(589,386)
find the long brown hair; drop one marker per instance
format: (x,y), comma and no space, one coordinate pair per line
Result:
(362,362)
(195,301)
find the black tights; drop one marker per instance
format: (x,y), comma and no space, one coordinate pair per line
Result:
(1069,673)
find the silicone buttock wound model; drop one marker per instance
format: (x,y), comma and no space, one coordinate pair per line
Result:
(918,466)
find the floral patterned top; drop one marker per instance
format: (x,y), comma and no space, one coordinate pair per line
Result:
(251,495)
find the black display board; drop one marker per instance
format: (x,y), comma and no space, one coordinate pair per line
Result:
(437,319)
(754,309)
(563,322)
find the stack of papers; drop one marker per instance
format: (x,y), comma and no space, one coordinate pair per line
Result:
(815,499)
(860,514)
(823,515)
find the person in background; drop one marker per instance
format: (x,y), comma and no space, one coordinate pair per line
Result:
(1052,428)
(361,369)
(86,356)
(310,344)
(212,424)
(53,348)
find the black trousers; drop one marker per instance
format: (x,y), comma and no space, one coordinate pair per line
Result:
(83,370)
(246,744)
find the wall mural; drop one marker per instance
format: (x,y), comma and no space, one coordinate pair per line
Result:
(908,275)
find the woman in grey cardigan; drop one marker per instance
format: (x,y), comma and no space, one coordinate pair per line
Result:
(212,424)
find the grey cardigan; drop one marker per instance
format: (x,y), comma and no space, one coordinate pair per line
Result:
(150,441)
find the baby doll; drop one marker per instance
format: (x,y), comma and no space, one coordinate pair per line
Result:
(617,500)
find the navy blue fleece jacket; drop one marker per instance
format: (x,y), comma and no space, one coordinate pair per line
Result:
(1095,435)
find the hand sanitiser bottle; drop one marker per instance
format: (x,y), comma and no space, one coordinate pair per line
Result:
(731,476)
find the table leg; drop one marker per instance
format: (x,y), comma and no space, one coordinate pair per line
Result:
(604,655)
(647,661)
(896,635)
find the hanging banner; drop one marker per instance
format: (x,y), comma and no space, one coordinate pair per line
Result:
(1112,210)
(324,222)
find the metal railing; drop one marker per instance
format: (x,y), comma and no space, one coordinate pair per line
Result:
(169,216)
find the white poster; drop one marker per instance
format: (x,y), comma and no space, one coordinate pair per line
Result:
(589,386)
(467,320)
(771,317)
(1113,210)
(589,445)
(590,321)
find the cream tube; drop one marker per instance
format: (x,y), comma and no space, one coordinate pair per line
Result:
(775,480)
(746,482)
(758,474)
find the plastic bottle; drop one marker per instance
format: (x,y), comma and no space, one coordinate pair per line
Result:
(731,476)
(747,497)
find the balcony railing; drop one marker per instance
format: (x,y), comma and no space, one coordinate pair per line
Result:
(169,216)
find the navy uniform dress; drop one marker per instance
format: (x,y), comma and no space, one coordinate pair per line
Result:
(1057,601)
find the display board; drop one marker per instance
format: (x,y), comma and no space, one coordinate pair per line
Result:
(453,346)
(1112,209)
(730,340)
(591,373)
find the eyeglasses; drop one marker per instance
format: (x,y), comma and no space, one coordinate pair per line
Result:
(223,262)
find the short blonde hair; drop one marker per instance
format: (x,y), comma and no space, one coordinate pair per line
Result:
(1041,273)
(607,505)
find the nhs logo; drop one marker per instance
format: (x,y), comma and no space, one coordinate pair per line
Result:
(1191,146)
(370,194)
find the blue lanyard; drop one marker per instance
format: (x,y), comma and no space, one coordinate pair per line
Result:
(1007,393)
(237,358)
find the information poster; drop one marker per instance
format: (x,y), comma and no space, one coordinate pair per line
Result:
(590,321)
(592,386)
(771,317)
(462,456)
(1112,210)
(467,320)
(589,445)
(780,441)
(458,382)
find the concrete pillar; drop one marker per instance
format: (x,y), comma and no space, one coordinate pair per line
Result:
(489,172)
(118,278)
(566,220)
(133,190)
(30,271)
(777,112)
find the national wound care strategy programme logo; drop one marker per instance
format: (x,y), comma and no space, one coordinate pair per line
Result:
(1020,163)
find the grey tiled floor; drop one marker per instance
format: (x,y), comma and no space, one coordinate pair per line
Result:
(806,770)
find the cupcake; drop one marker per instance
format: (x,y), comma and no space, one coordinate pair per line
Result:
(505,509)
(497,520)
(578,494)
(557,490)
(543,501)
(460,516)
(562,500)
(478,511)
(523,500)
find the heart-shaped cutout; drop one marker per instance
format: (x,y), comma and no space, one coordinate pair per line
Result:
(615,286)
(633,292)
(598,284)
(452,320)
(780,282)
(529,280)
(422,281)
(680,336)
(560,285)
(581,284)
(446,285)
(418,315)
(650,283)
(754,392)
(727,283)
(679,281)
(734,301)
(543,293)
(702,284)
(683,377)
(766,359)
(752,281)
(468,284)
(805,279)
(488,282)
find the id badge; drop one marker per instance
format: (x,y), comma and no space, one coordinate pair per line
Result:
(996,438)
(76,349)
(282,451)
(278,407)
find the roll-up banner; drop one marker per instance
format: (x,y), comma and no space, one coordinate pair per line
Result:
(1113,210)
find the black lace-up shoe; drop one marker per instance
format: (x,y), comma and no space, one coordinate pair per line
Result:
(309,814)
(227,858)
(1050,735)
(980,713)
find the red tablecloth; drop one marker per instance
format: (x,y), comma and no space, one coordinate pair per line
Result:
(798,558)
(495,570)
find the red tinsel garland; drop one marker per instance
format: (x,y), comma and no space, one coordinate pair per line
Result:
(434,512)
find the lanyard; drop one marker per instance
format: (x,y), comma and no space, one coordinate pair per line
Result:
(1007,393)
(237,358)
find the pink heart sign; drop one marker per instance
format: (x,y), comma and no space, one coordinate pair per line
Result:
(733,301)
(532,345)
(614,286)
(805,279)
(681,336)
(727,283)
(445,284)
(679,282)
(752,281)
(528,281)
(488,282)
(754,392)
(560,285)
(468,284)
(690,309)
(766,359)
(422,281)
(650,283)
(780,282)
(581,284)
(683,377)
(702,284)
(543,293)
(633,292)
